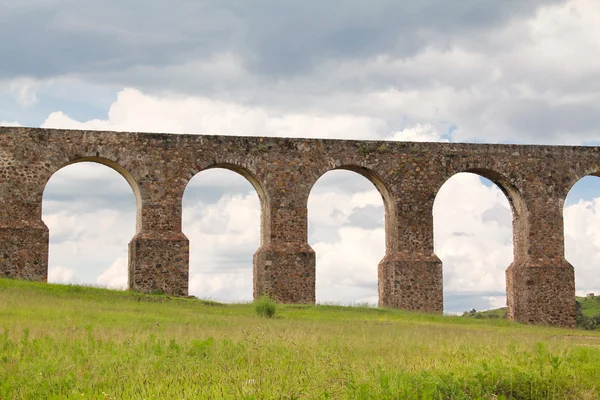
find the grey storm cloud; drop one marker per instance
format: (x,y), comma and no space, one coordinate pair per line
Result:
(274,38)
(307,56)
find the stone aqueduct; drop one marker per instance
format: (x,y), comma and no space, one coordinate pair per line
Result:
(536,179)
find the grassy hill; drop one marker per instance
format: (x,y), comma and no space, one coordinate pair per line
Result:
(588,313)
(589,307)
(61,342)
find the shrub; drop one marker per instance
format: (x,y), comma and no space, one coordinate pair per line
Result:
(265,307)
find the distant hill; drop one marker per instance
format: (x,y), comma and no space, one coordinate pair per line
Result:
(588,313)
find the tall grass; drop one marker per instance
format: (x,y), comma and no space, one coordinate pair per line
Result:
(73,342)
(265,307)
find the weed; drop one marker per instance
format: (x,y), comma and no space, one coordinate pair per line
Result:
(265,307)
(364,150)
(261,148)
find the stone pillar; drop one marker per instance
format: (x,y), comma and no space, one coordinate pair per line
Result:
(410,274)
(540,283)
(24,249)
(284,265)
(159,252)
(23,235)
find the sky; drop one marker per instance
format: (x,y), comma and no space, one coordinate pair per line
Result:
(515,71)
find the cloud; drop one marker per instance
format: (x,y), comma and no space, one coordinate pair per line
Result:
(7,123)
(136,111)
(472,234)
(582,243)
(115,277)
(88,186)
(24,90)
(223,226)
(90,217)
(347,267)
(60,274)
(419,133)
(497,301)
(269,36)
(479,72)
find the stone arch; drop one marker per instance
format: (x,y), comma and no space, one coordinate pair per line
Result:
(122,171)
(464,251)
(515,200)
(256,183)
(265,212)
(388,201)
(114,166)
(578,174)
(375,180)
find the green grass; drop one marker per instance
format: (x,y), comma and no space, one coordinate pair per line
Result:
(589,307)
(76,342)
(265,307)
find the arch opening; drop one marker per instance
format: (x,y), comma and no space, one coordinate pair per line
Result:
(91,213)
(346,228)
(581,219)
(222,208)
(473,218)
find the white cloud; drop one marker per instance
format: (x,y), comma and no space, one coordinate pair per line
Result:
(347,268)
(224,286)
(496,301)
(24,89)
(475,249)
(88,228)
(58,274)
(419,133)
(582,243)
(136,111)
(115,277)
(9,123)
(223,235)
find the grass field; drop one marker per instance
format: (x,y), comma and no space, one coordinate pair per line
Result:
(77,342)
(590,307)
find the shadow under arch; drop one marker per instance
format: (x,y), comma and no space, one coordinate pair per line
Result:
(131,182)
(388,210)
(245,175)
(471,250)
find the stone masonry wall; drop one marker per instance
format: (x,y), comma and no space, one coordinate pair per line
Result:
(536,180)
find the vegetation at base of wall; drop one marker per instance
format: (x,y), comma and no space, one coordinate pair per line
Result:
(60,341)
(265,307)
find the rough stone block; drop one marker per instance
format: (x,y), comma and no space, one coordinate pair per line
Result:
(285,273)
(158,262)
(411,284)
(24,253)
(541,294)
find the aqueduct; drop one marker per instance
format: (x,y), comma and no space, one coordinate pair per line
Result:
(536,179)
